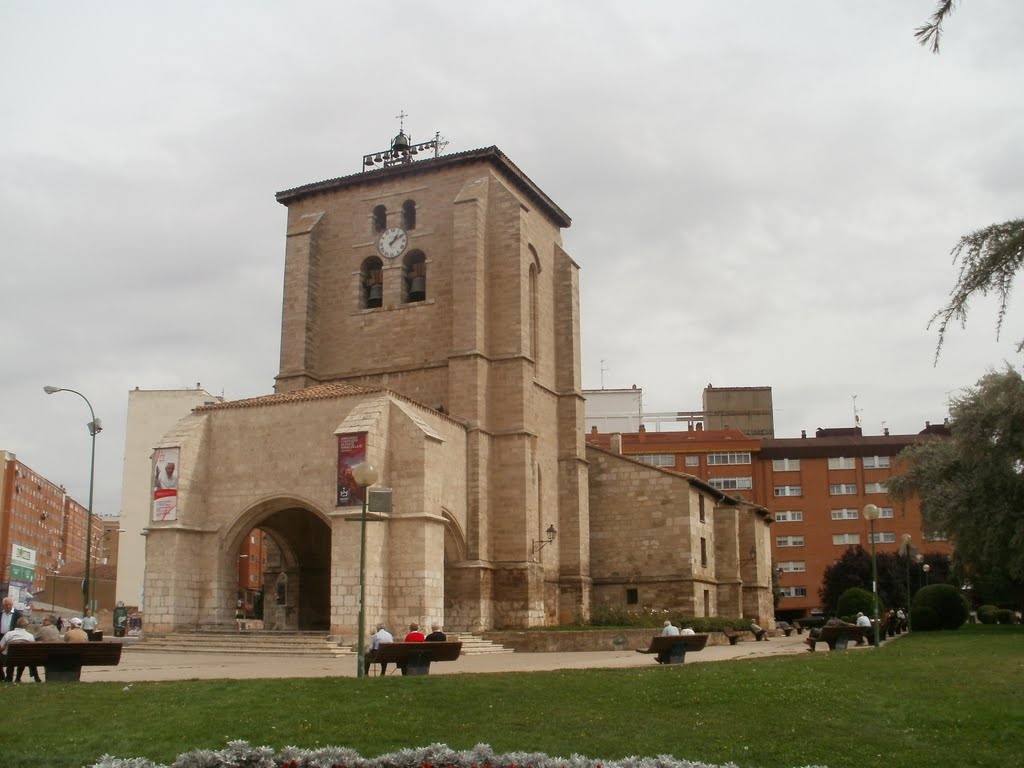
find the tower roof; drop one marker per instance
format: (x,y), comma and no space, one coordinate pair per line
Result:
(491,155)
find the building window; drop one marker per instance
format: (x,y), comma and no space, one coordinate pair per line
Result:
(692,460)
(729,457)
(656,459)
(874,488)
(414,277)
(786,465)
(842,462)
(845,514)
(876,462)
(789,516)
(371,281)
(844,539)
(700,506)
(703,552)
(935,536)
(882,537)
(885,512)
(731,483)
(632,597)
(842,489)
(380,218)
(793,566)
(409,214)
(788,490)
(793,591)
(789,541)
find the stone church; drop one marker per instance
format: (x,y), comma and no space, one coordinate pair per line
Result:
(431,327)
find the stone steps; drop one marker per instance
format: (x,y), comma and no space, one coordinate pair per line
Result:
(266,643)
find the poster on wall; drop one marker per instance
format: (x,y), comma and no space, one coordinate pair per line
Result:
(165,484)
(351,451)
(21,576)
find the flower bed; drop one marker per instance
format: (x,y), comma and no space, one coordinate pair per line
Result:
(240,754)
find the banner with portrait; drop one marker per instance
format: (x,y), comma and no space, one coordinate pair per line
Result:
(165,484)
(351,451)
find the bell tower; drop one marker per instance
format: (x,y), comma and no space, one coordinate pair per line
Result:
(443,278)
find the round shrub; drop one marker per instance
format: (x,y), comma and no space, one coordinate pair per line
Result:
(924,619)
(987,614)
(1005,616)
(950,607)
(856,600)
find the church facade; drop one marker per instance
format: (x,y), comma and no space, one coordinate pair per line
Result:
(430,326)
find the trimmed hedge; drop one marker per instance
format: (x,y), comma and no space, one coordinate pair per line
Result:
(856,600)
(946,608)
(988,614)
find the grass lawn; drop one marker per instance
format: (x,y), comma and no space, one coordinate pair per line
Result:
(928,699)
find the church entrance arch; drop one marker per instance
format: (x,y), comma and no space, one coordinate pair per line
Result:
(295,568)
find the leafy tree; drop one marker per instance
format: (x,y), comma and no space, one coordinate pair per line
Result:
(853,569)
(971,486)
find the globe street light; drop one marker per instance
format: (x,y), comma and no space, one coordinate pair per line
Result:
(94,427)
(927,569)
(871,513)
(365,475)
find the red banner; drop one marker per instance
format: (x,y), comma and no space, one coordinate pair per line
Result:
(351,451)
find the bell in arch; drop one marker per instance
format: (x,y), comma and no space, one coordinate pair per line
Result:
(375,295)
(418,288)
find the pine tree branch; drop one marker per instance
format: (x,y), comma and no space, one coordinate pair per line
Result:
(989,260)
(930,33)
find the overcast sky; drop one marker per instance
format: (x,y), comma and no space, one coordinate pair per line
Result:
(762,193)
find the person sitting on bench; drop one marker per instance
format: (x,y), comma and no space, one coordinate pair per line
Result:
(759,633)
(380,636)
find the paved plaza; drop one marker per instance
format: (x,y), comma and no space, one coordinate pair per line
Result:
(154,665)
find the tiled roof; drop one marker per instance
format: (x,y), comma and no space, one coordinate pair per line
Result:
(319,392)
(489,154)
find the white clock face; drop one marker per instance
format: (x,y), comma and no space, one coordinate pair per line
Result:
(392,242)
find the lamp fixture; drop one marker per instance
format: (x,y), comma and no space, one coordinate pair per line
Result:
(539,544)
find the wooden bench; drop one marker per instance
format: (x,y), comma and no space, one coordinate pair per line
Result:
(671,649)
(732,636)
(838,638)
(415,658)
(785,627)
(64,661)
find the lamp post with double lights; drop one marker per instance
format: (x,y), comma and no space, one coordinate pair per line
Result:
(871,513)
(365,475)
(94,427)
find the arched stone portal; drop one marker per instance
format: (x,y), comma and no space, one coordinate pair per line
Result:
(296,577)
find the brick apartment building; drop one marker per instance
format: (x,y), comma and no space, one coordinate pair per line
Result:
(815,488)
(42,535)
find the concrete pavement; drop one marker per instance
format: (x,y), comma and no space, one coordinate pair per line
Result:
(149,665)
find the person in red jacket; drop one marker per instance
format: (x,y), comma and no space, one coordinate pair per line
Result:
(415,636)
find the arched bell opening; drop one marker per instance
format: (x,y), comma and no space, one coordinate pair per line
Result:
(371,283)
(414,277)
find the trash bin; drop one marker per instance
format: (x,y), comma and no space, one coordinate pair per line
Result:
(120,620)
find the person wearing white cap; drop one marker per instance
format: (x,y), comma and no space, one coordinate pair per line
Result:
(76,634)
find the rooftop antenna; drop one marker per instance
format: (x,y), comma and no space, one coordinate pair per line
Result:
(856,412)
(603,369)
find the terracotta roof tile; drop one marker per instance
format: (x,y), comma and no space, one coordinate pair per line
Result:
(319,392)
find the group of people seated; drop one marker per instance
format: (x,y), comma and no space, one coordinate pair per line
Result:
(413,636)
(14,628)
(671,629)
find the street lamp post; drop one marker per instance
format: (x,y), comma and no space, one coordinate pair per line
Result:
(871,513)
(906,548)
(94,428)
(927,569)
(365,475)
